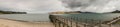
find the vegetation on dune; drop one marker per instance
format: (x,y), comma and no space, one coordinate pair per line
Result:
(11,12)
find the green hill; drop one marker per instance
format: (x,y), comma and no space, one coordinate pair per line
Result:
(11,12)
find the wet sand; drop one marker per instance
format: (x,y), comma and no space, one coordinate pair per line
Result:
(10,23)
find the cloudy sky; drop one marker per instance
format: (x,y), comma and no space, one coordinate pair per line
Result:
(44,6)
(32,6)
(98,6)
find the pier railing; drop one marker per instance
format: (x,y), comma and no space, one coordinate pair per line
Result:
(61,21)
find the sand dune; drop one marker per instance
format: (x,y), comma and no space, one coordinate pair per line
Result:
(10,23)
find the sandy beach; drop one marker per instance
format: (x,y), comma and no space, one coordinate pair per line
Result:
(10,23)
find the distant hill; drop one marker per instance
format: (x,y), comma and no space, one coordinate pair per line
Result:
(62,12)
(74,12)
(116,11)
(11,12)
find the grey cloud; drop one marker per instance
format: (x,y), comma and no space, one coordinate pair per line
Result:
(45,6)
(98,6)
(32,6)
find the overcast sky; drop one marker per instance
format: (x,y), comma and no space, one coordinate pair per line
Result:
(98,6)
(32,6)
(44,6)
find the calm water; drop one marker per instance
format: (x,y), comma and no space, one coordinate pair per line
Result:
(27,17)
(45,17)
(86,17)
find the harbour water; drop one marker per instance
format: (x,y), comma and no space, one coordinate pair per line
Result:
(91,17)
(45,17)
(86,19)
(27,17)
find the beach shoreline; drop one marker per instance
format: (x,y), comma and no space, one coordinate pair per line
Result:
(10,23)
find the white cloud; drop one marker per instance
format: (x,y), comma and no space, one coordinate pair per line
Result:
(98,6)
(32,6)
(44,6)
